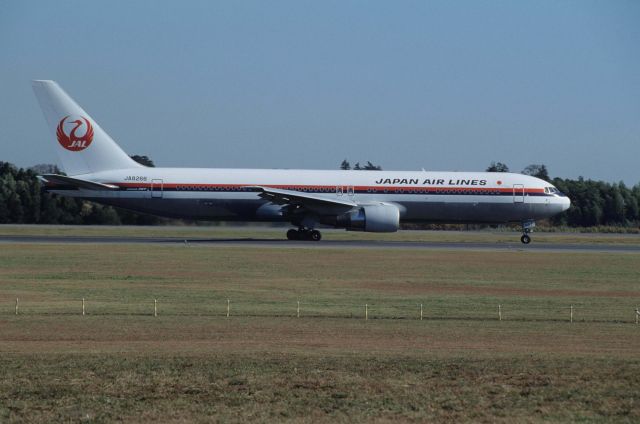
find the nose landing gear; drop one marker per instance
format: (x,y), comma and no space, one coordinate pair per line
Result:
(304,234)
(527,227)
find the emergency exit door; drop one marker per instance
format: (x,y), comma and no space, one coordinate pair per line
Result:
(518,193)
(156,189)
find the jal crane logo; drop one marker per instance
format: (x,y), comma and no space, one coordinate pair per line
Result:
(80,136)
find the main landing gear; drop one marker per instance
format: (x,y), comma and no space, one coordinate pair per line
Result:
(527,227)
(304,234)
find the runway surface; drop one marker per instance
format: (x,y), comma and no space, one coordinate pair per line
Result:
(345,244)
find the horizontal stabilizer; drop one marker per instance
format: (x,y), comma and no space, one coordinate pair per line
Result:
(77,182)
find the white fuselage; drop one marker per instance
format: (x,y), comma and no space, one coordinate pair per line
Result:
(227,194)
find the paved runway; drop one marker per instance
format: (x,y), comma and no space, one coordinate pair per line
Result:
(346,244)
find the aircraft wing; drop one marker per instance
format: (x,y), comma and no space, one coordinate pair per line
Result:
(76,182)
(307,200)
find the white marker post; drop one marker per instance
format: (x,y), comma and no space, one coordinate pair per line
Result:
(228,307)
(571,314)
(298,310)
(421,312)
(366,311)
(83,306)
(16,306)
(637,314)
(155,307)
(499,312)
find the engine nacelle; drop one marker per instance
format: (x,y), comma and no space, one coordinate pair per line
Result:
(382,218)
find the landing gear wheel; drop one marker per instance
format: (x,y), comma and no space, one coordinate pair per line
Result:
(525,239)
(293,234)
(315,235)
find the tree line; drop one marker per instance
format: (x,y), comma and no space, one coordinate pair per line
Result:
(22,200)
(593,203)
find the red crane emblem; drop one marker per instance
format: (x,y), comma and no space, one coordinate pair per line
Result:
(72,141)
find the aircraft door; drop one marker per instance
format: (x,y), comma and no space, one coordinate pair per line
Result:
(518,193)
(350,191)
(156,189)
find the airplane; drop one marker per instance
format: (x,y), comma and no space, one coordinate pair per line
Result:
(97,169)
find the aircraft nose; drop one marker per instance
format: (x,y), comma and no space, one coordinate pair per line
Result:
(566,203)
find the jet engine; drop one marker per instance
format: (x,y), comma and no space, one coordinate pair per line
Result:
(381,218)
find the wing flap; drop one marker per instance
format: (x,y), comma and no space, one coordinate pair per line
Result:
(308,200)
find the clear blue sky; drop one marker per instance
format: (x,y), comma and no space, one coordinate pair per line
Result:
(444,85)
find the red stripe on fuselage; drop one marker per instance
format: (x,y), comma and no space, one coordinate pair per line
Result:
(332,188)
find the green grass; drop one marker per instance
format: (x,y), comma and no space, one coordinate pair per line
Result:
(266,232)
(191,363)
(125,279)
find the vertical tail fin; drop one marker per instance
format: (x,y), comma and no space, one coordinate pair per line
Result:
(82,146)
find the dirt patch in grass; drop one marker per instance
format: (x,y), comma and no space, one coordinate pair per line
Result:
(185,335)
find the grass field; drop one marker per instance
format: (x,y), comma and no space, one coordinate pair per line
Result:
(264,232)
(191,363)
